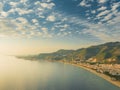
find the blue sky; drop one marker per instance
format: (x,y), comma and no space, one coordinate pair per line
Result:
(71,23)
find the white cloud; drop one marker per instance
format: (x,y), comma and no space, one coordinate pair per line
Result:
(41,16)
(34,20)
(51,18)
(100,31)
(42,8)
(115,21)
(20,11)
(14,4)
(19,28)
(115,6)
(23,1)
(102,8)
(23,11)
(103,13)
(88,18)
(1,6)
(102,1)
(3,14)
(22,20)
(44,29)
(107,17)
(44,5)
(93,11)
(63,27)
(64,19)
(66,26)
(46,33)
(84,3)
(115,12)
(49,5)
(37,3)
(5,28)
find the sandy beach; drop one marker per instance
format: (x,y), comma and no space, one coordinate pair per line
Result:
(116,83)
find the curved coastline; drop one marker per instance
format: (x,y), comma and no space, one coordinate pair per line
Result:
(105,77)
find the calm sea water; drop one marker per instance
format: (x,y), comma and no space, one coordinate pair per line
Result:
(18,74)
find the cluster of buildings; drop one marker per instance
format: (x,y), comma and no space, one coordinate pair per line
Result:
(112,70)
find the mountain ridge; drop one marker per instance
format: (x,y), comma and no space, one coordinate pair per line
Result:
(103,53)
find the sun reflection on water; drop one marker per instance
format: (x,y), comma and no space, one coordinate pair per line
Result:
(18,74)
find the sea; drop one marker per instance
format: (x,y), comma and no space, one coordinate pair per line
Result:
(20,74)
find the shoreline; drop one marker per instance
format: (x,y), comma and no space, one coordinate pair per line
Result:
(105,77)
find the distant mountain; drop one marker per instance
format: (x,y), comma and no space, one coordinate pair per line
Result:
(104,53)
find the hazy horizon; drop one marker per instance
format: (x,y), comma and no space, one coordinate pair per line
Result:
(28,48)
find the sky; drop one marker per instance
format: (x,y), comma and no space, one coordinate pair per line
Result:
(36,26)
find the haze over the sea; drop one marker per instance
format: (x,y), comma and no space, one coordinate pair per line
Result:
(35,26)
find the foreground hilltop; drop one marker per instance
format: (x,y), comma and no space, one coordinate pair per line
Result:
(104,53)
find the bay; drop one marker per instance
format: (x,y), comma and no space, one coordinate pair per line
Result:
(19,74)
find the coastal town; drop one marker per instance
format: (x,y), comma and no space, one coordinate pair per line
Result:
(109,72)
(109,69)
(112,70)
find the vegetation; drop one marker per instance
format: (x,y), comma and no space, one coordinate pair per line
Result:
(104,53)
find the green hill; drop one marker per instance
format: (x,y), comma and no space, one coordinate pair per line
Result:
(104,53)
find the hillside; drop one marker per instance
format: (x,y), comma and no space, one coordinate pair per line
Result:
(104,53)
